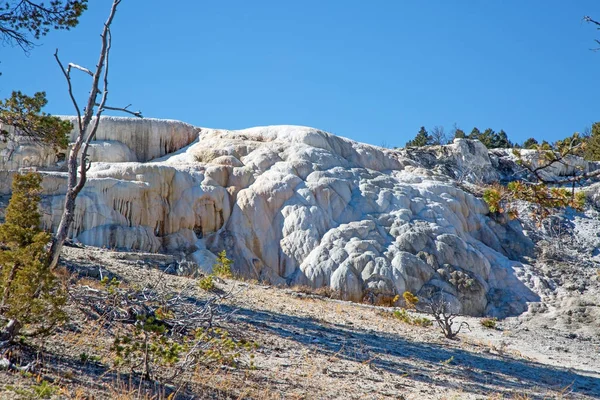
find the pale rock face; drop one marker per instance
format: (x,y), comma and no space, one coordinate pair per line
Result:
(147,138)
(295,205)
(110,151)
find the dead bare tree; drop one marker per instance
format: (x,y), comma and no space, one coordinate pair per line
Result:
(444,315)
(86,128)
(438,136)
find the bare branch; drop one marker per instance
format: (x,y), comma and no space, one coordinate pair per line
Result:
(79,67)
(125,110)
(589,19)
(67,75)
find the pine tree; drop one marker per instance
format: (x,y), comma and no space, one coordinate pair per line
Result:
(30,294)
(490,138)
(530,143)
(592,146)
(501,140)
(422,139)
(23,22)
(458,133)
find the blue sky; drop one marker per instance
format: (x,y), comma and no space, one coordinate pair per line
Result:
(374,71)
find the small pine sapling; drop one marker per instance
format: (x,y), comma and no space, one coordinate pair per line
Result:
(222,267)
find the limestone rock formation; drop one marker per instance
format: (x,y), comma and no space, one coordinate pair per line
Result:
(296,205)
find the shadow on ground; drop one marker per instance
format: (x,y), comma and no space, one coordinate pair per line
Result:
(435,364)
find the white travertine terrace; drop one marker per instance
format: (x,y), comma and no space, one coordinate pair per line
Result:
(295,205)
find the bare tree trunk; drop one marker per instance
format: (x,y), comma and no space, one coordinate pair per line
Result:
(68,212)
(86,131)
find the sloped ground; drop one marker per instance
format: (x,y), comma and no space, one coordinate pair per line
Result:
(317,348)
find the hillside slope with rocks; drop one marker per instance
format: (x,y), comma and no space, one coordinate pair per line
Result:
(299,206)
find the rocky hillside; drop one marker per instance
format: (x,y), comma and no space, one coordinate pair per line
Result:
(299,206)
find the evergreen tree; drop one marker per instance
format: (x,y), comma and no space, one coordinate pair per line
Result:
(501,140)
(459,134)
(22,22)
(24,113)
(422,139)
(30,293)
(475,134)
(530,143)
(592,146)
(488,138)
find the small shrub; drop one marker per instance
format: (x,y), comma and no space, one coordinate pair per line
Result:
(207,283)
(489,322)
(222,267)
(405,317)
(111,285)
(410,299)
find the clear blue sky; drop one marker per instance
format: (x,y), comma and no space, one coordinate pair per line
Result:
(374,71)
